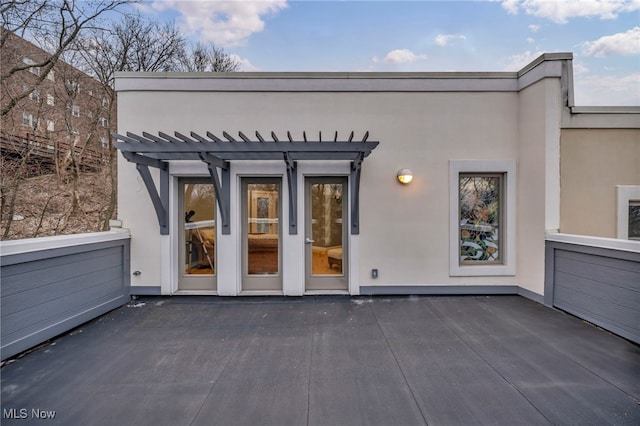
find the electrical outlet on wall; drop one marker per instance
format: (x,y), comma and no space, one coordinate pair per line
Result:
(374,273)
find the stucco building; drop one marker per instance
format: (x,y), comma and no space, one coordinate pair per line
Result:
(287,183)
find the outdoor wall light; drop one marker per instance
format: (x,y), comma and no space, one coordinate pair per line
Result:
(405,176)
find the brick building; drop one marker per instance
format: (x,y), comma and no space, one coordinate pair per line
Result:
(66,116)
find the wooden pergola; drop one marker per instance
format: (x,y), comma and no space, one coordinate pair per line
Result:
(148,150)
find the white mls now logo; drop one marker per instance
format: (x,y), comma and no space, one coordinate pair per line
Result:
(23,413)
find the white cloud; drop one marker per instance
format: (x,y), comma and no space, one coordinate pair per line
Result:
(511,6)
(530,40)
(608,90)
(226,23)
(245,65)
(579,68)
(517,62)
(560,11)
(534,28)
(623,44)
(444,39)
(402,56)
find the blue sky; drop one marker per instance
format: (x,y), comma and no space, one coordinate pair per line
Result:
(281,35)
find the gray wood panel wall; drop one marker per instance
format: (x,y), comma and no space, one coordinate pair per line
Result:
(48,292)
(599,285)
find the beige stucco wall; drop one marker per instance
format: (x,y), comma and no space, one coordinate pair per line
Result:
(538,124)
(593,162)
(404,230)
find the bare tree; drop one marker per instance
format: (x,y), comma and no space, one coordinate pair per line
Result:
(136,44)
(57,22)
(130,44)
(203,57)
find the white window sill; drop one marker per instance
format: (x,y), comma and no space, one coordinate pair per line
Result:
(481,270)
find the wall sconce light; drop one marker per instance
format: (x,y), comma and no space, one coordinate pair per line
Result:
(405,176)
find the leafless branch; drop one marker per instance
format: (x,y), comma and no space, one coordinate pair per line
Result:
(63,20)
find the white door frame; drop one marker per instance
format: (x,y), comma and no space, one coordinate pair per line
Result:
(323,169)
(229,247)
(170,249)
(337,280)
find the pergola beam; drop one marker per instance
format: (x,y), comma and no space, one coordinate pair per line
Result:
(348,156)
(223,147)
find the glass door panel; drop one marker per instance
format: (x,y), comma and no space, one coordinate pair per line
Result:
(198,235)
(261,234)
(325,238)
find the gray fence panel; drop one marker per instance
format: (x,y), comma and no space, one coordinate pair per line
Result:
(46,293)
(599,285)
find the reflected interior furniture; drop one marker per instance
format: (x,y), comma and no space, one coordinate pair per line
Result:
(334,256)
(263,242)
(263,253)
(203,240)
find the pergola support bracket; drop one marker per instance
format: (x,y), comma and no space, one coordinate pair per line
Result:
(292,182)
(222,189)
(160,201)
(356,169)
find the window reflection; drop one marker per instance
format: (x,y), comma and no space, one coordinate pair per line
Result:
(263,228)
(480,211)
(634,220)
(326,228)
(199,229)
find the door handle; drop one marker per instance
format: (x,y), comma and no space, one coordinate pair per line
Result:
(309,240)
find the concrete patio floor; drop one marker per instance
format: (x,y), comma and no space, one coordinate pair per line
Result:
(501,360)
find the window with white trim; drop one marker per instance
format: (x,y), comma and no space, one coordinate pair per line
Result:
(633,230)
(28,120)
(50,126)
(75,111)
(34,95)
(628,212)
(104,122)
(32,70)
(51,75)
(482,217)
(50,100)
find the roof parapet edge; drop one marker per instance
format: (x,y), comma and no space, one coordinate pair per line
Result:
(556,56)
(391,78)
(605,109)
(322,75)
